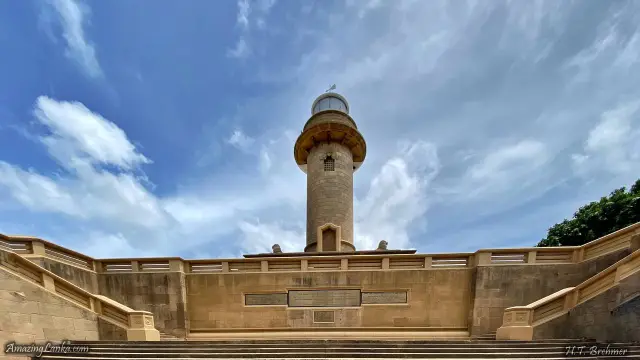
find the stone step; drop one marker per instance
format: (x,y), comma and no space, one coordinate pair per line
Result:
(188,347)
(182,345)
(346,342)
(631,350)
(342,349)
(635,357)
(323,355)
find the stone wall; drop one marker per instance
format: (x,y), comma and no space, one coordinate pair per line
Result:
(85,279)
(500,287)
(436,298)
(329,193)
(29,313)
(109,331)
(611,316)
(162,294)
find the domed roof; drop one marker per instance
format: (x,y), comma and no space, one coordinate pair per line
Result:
(330,101)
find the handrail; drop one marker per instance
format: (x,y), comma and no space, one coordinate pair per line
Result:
(618,240)
(138,324)
(519,321)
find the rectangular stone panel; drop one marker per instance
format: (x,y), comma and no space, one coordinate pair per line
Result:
(324,298)
(384,297)
(265,299)
(323,316)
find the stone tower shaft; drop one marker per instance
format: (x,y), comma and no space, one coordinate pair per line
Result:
(329,150)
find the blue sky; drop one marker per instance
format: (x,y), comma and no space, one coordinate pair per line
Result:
(164,128)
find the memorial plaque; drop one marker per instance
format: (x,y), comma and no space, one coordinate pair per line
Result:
(324,298)
(384,297)
(265,299)
(323,316)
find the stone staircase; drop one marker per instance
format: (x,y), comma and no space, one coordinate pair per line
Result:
(169,337)
(487,336)
(344,349)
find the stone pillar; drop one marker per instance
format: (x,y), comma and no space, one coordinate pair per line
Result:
(635,242)
(141,327)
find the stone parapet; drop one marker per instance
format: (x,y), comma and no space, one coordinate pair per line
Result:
(519,322)
(107,309)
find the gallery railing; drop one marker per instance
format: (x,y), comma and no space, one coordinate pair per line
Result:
(619,240)
(519,321)
(136,323)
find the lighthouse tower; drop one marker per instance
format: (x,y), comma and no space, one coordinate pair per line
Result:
(329,150)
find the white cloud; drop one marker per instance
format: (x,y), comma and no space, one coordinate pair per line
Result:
(483,82)
(240,140)
(110,246)
(73,16)
(241,50)
(509,161)
(397,197)
(612,145)
(78,135)
(80,141)
(504,168)
(245,20)
(244,9)
(37,192)
(265,160)
(258,237)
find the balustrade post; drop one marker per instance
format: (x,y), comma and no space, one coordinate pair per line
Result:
(37,248)
(570,300)
(141,327)
(578,255)
(176,265)
(428,262)
(531,257)
(344,264)
(48,283)
(97,266)
(635,242)
(483,258)
(385,263)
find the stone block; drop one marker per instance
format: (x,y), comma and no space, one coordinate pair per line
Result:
(10,284)
(42,320)
(84,325)
(89,335)
(63,322)
(19,306)
(54,334)
(48,308)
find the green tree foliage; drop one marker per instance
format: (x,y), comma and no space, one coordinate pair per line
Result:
(614,212)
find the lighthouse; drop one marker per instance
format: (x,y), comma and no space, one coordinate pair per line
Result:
(329,150)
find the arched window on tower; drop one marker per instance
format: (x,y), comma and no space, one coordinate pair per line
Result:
(329,164)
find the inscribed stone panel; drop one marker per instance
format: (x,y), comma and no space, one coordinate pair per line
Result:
(323,316)
(386,297)
(324,298)
(265,299)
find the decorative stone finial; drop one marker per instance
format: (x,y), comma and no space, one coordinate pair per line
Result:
(276,249)
(382,245)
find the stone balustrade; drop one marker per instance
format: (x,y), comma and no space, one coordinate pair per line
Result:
(139,325)
(519,321)
(619,240)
